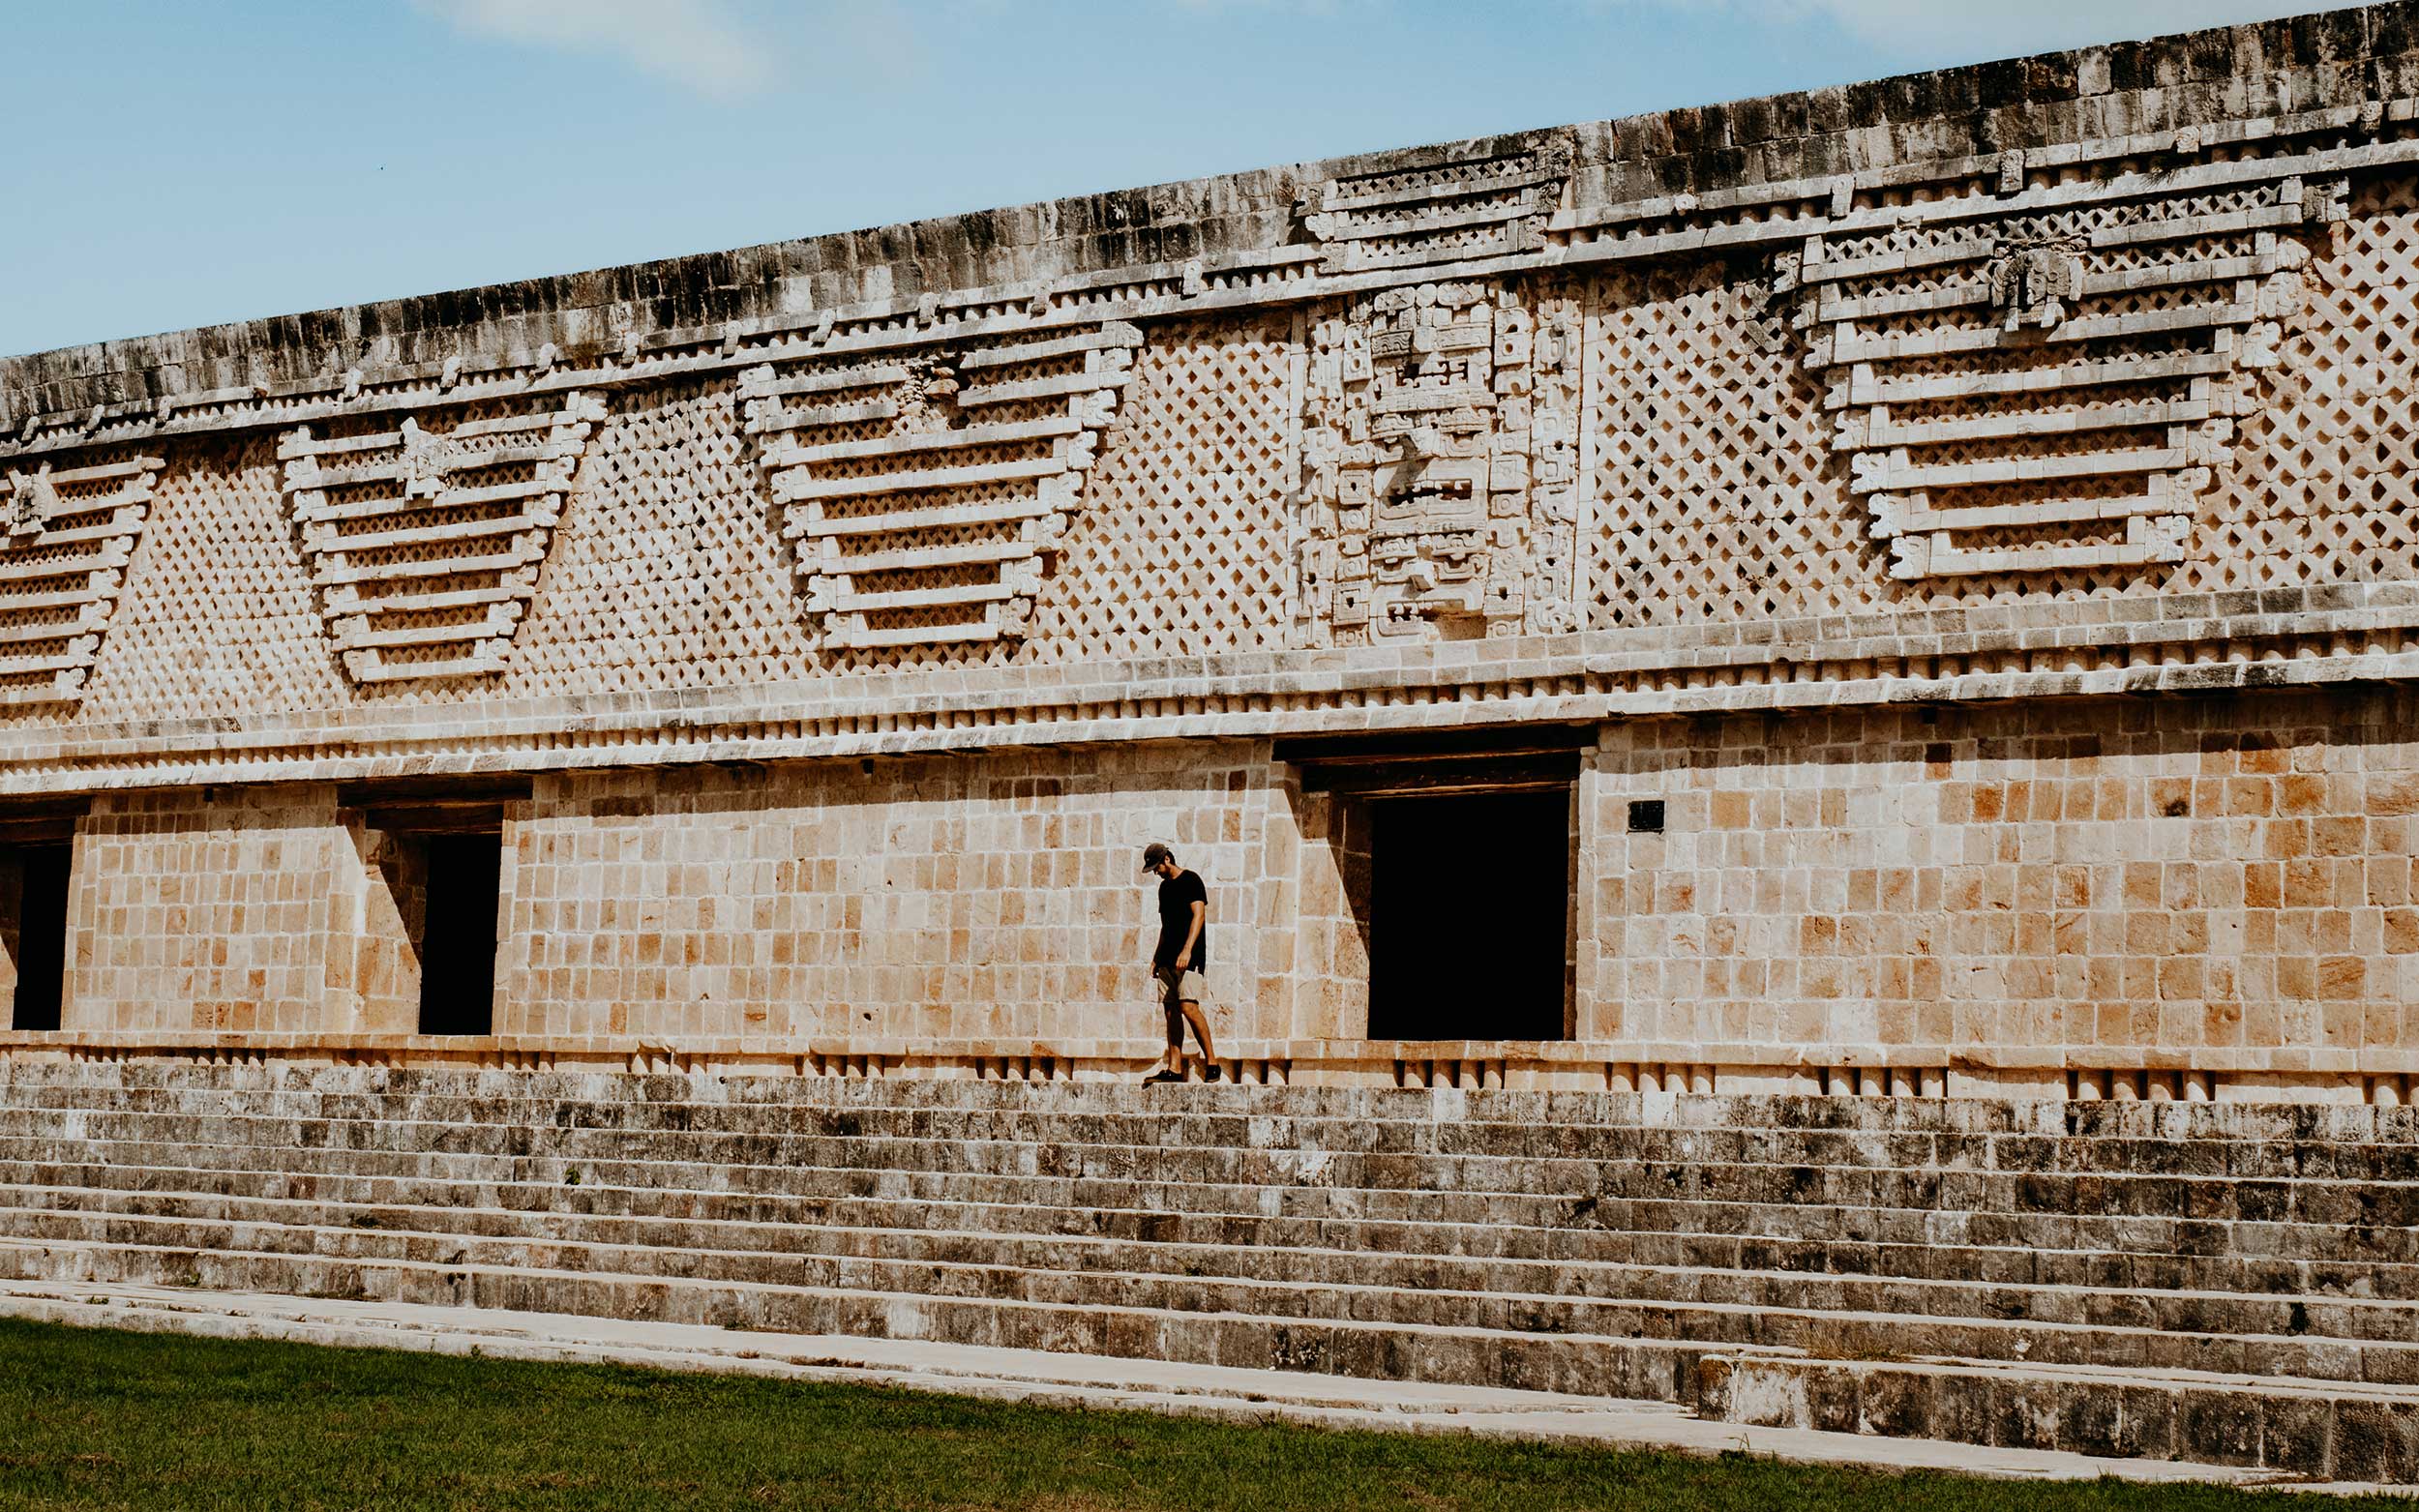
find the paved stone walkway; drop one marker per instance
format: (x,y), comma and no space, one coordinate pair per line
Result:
(1038,1375)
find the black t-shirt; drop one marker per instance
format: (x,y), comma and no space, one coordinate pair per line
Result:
(1176,897)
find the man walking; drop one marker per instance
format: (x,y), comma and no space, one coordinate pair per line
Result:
(1182,956)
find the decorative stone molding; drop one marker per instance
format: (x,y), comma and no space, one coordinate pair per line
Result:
(1442,205)
(2054,1072)
(926,490)
(2078,420)
(2303,637)
(1440,440)
(2039,210)
(425,544)
(65,536)
(621,349)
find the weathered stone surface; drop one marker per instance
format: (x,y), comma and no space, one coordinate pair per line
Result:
(1505,1241)
(1951,540)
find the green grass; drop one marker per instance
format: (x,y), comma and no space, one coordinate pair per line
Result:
(92,1418)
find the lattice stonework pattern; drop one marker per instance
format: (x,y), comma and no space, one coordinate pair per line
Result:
(1183,545)
(67,531)
(2051,390)
(424,541)
(1440,462)
(1710,495)
(927,491)
(2324,489)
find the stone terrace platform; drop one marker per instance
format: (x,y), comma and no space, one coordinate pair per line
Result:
(2220,1283)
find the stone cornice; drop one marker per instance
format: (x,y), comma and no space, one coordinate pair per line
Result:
(1697,180)
(2179,643)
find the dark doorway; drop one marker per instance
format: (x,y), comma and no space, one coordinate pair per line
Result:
(1468,915)
(457,940)
(37,944)
(439,845)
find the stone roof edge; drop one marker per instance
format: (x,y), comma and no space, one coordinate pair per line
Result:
(2305,63)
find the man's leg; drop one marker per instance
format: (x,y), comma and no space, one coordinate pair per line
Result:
(1174,1059)
(1200,1021)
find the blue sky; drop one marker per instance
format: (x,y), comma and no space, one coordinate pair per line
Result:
(176,163)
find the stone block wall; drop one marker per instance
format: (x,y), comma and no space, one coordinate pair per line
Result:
(2219,884)
(233,909)
(1977,506)
(907,907)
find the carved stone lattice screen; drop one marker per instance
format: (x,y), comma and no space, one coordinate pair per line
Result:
(2323,491)
(1710,497)
(67,533)
(425,540)
(1185,546)
(2052,388)
(1439,432)
(926,490)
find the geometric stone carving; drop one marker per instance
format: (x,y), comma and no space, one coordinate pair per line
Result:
(65,536)
(2051,389)
(926,492)
(424,542)
(1440,440)
(1436,206)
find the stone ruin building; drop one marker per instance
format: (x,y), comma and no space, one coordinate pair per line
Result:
(1886,612)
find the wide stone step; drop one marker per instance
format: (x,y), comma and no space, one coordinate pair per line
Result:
(2370,1205)
(2104,1252)
(2318,1432)
(1033,1376)
(1138,1321)
(1937,1252)
(1580,1365)
(2171,1154)
(2182,1139)
(23,1212)
(1785,1210)
(1826,1334)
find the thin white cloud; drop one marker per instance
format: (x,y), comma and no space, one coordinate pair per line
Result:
(699,45)
(1969,29)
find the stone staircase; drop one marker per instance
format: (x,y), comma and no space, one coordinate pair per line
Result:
(2225,1283)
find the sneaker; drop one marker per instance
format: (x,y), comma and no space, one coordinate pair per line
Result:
(1163,1074)
(1209,1071)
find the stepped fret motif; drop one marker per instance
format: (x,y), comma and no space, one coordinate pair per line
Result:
(65,536)
(2053,390)
(425,544)
(1448,208)
(926,493)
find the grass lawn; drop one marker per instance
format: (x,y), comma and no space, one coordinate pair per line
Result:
(92,1418)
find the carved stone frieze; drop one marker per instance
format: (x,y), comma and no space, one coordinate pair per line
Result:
(1440,465)
(67,533)
(425,540)
(927,490)
(1440,207)
(2051,390)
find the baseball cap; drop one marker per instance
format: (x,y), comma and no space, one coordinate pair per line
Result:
(1154,853)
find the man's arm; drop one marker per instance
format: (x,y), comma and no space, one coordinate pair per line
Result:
(1192,936)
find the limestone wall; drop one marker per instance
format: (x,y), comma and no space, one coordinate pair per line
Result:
(847,610)
(2206,897)
(1659,413)
(2219,885)
(923,904)
(239,909)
